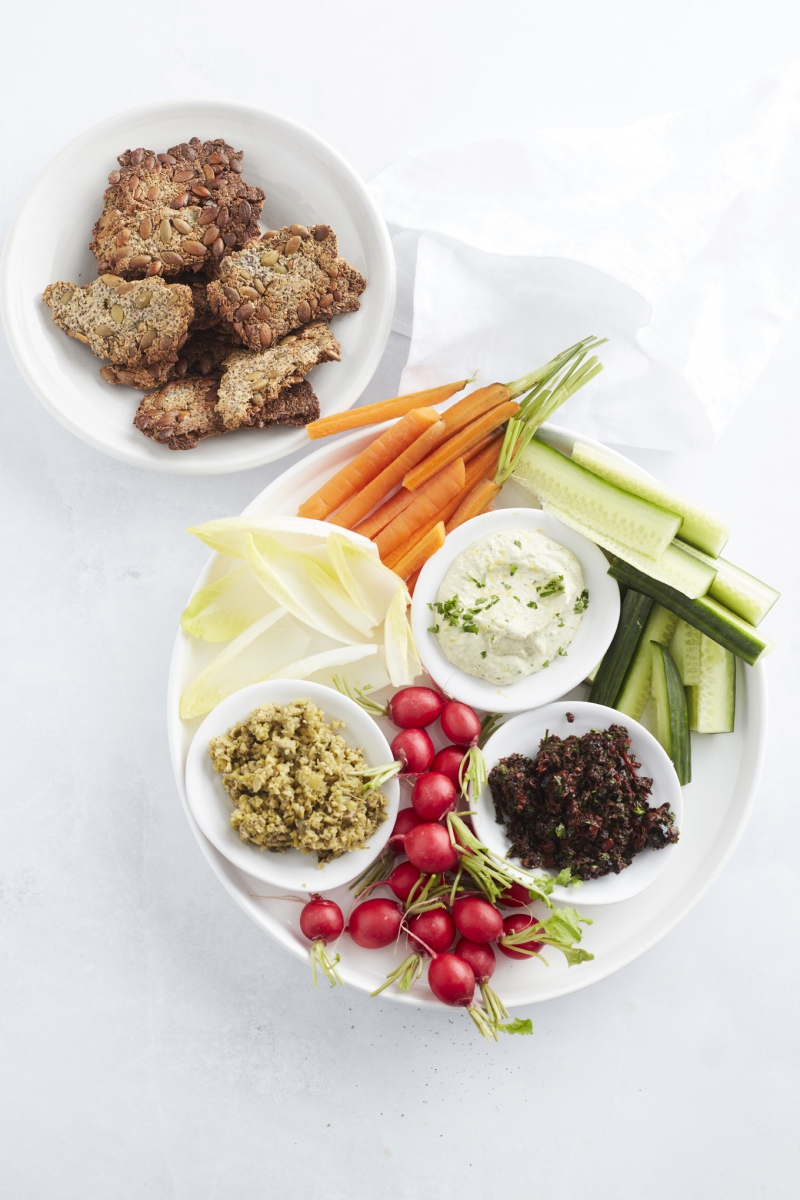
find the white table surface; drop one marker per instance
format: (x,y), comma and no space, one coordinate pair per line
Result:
(153,1042)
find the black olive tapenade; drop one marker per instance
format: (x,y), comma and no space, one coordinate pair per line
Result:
(579,804)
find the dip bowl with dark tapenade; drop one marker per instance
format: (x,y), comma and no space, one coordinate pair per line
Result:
(578,785)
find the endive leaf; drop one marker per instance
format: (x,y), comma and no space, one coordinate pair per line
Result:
(401,653)
(229,535)
(370,584)
(283,573)
(257,653)
(331,590)
(226,608)
(326,662)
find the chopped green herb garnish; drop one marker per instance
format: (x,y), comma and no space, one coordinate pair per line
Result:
(512,570)
(433,629)
(562,652)
(475,581)
(546,663)
(483,654)
(507,586)
(560,831)
(517,544)
(552,586)
(532,604)
(582,603)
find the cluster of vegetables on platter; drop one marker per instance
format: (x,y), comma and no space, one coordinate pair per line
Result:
(323,596)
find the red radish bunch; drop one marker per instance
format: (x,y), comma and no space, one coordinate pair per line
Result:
(321,921)
(431,903)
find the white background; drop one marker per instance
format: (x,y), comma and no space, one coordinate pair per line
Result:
(154,1042)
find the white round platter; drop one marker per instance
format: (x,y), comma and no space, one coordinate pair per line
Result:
(305,181)
(726,770)
(597,628)
(211,809)
(522,735)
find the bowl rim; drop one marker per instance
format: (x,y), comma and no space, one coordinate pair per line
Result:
(12,313)
(302,875)
(542,687)
(648,865)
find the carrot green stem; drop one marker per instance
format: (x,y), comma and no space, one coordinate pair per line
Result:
(559,379)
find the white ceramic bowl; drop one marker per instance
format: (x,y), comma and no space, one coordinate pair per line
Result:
(590,643)
(211,807)
(523,734)
(305,181)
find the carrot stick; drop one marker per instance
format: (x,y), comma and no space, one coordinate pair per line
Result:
(480,460)
(383,410)
(483,400)
(477,469)
(382,484)
(387,512)
(370,462)
(433,497)
(411,582)
(474,503)
(455,446)
(483,464)
(420,552)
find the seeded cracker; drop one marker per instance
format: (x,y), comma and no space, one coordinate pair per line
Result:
(166,212)
(184,412)
(282,280)
(203,354)
(251,381)
(134,324)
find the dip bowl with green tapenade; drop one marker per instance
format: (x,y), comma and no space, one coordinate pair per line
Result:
(603,798)
(514,610)
(273,781)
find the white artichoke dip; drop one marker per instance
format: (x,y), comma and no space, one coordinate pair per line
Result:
(509,605)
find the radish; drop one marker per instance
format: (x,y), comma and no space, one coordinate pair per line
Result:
(415,707)
(380,870)
(517,896)
(429,848)
(448,762)
(433,796)
(405,879)
(435,930)
(481,958)
(375,923)
(452,980)
(407,820)
(321,922)
(460,723)
(513,944)
(414,750)
(477,919)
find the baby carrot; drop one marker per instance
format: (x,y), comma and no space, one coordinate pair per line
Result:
(387,512)
(476,469)
(472,406)
(383,410)
(474,503)
(420,552)
(455,446)
(369,463)
(433,497)
(365,500)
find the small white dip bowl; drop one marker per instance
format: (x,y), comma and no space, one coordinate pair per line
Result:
(212,808)
(523,734)
(597,627)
